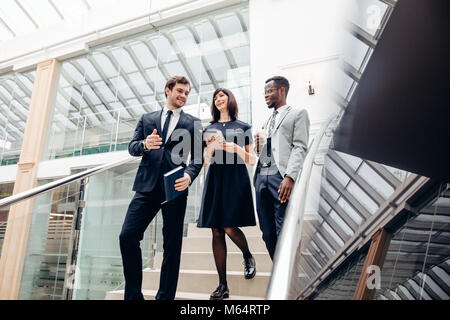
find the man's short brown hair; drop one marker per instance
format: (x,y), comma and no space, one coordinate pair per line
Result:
(174,80)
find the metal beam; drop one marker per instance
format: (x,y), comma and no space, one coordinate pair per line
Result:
(362,35)
(77,87)
(326,216)
(205,64)
(339,210)
(384,173)
(351,71)
(144,74)
(128,82)
(109,84)
(367,188)
(359,208)
(92,86)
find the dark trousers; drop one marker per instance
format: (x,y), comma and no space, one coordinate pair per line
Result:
(270,209)
(141,211)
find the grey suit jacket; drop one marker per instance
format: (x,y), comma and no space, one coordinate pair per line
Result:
(290,141)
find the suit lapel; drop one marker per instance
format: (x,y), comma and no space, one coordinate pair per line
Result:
(157,119)
(282,118)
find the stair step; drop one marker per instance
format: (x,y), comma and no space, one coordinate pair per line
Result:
(194,231)
(205,281)
(205,261)
(150,295)
(202,244)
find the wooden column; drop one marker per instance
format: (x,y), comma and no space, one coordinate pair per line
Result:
(19,218)
(375,257)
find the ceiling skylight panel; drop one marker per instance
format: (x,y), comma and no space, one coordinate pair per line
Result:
(15,18)
(336,172)
(333,234)
(25,82)
(89,93)
(20,108)
(41,11)
(351,212)
(15,88)
(125,62)
(72,73)
(205,31)
(124,88)
(91,73)
(105,64)
(354,51)
(241,56)
(350,160)
(4,93)
(243,13)
(375,181)
(175,68)
(105,91)
(75,95)
(144,55)
(330,189)
(89,114)
(341,223)
(362,197)
(163,49)
(140,84)
(228,24)
(368,14)
(186,42)
(158,79)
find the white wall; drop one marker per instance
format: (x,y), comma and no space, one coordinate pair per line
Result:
(298,39)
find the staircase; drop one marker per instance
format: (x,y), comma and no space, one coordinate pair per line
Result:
(198,276)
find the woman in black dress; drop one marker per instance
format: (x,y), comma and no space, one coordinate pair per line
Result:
(227,202)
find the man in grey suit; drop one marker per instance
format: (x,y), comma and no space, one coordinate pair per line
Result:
(281,158)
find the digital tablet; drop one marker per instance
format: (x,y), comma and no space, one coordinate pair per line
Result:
(207,135)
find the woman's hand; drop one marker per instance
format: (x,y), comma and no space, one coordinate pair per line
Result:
(214,143)
(230,147)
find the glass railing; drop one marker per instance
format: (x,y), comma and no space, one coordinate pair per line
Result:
(73,245)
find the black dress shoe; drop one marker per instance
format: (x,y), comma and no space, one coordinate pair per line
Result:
(222,292)
(249,268)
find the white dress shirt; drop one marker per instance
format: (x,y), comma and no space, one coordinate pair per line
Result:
(173,120)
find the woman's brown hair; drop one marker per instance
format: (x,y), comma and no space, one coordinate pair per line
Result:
(232,105)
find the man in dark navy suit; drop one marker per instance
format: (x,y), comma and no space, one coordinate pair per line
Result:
(164,139)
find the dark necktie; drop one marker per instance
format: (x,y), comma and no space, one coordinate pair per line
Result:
(272,123)
(166,126)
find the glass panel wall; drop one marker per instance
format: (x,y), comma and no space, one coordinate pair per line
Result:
(417,263)
(15,95)
(6,190)
(101,96)
(73,247)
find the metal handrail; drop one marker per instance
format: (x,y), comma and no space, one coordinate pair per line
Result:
(290,234)
(58,183)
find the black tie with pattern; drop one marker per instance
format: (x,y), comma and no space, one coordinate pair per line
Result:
(272,123)
(166,126)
